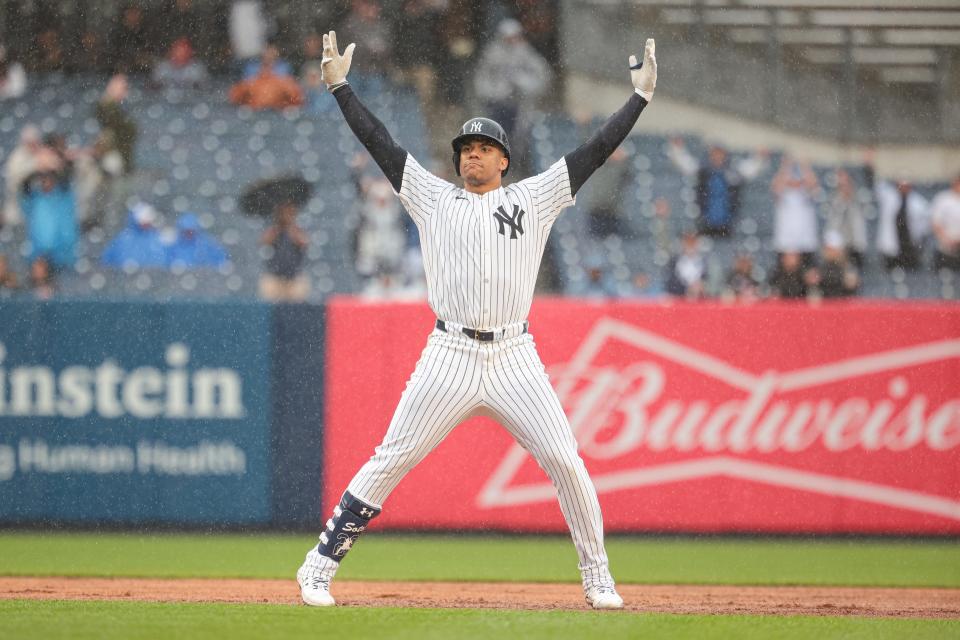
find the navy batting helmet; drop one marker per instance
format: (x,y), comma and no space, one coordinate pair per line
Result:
(480,128)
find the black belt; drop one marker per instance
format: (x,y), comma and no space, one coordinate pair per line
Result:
(475,334)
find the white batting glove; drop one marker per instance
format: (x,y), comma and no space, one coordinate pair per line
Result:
(644,75)
(334,67)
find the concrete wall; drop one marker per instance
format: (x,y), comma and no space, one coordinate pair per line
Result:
(727,79)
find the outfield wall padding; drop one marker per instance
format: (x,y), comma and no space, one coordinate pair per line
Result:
(135,413)
(771,417)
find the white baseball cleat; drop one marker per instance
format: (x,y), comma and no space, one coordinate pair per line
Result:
(603,597)
(314,578)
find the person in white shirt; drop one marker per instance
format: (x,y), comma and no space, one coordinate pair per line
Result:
(903,222)
(13,79)
(846,218)
(795,215)
(945,215)
(21,163)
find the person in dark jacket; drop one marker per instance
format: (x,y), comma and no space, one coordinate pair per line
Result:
(791,279)
(284,280)
(114,121)
(686,272)
(719,182)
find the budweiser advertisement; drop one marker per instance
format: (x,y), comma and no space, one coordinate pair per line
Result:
(690,417)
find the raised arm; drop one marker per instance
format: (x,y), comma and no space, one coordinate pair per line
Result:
(588,157)
(371,133)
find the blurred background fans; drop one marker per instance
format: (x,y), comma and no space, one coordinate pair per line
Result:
(214,96)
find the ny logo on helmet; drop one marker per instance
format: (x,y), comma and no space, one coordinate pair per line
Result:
(476,126)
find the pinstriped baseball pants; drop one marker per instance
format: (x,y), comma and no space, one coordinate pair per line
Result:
(457,378)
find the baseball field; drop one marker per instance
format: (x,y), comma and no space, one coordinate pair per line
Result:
(59,585)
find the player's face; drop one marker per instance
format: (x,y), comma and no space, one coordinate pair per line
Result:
(481,163)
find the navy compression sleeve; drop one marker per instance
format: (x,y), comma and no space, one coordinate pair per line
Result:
(587,158)
(390,156)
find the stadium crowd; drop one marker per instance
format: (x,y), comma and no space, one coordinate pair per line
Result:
(59,192)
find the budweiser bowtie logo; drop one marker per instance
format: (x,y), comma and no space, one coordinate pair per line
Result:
(624,408)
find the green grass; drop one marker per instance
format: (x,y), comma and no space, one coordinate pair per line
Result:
(130,620)
(472,558)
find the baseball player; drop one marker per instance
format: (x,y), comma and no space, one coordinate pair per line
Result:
(482,246)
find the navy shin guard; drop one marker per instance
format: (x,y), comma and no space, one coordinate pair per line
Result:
(350,519)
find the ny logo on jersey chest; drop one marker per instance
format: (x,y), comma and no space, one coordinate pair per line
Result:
(515,221)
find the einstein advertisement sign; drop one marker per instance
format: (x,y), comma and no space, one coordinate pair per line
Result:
(690,417)
(126,412)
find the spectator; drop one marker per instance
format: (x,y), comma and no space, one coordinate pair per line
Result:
(643,286)
(719,183)
(13,79)
(795,216)
(203,29)
(180,70)
(118,126)
(791,279)
(139,245)
(845,216)
(598,283)
(380,237)
(97,170)
(510,76)
(130,48)
(417,46)
(267,90)
(8,279)
(316,97)
(284,279)
(945,214)
(903,221)
(88,55)
(21,164)
(194,247)
(310,55)
(47,54)
(686,273)
(270,57)
(365,25)
(605,194)
(41,278)
(836,277)
(248,31)
(458,35)
(50,210)
(79,168)
(741,285)
(661,224)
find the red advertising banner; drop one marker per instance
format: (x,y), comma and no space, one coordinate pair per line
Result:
(690,417)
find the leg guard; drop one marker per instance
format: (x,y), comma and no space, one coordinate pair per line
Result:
(350,519)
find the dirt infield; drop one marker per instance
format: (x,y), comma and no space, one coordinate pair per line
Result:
(816,601)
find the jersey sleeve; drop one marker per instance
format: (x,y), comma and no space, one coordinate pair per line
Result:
(420,190)
(550,191)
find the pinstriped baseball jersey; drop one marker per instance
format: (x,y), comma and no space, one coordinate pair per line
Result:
(481,253)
